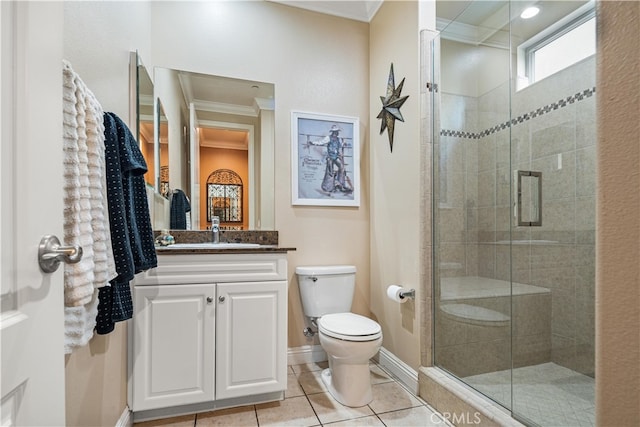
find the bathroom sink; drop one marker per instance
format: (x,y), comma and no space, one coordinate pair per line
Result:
(209,245)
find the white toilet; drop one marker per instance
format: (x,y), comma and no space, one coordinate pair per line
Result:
(349,339)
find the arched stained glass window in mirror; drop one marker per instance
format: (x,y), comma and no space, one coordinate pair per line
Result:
(224,196)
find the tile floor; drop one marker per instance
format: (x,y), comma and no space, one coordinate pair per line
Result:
(547,394)
(308,403)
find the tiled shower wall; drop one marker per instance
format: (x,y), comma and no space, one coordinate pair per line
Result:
(553,131)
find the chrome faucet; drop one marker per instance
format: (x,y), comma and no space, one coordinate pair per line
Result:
(215,229)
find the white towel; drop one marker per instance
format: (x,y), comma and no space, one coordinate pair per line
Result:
(79,323)
(105,268)
(79,277)
(86,218)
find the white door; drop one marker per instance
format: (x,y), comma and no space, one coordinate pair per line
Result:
(31,316)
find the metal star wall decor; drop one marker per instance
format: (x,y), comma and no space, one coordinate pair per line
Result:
(391,107)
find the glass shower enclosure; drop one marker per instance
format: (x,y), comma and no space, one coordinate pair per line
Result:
(514,206)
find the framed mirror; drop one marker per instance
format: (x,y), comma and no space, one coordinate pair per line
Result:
(148,126)
(143,111)
(229,126)
(191,124)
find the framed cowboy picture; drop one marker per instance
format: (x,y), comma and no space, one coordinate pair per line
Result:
(325,160)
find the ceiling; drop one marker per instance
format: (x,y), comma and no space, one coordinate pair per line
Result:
(488,15)
(359,10)
(365,10)
(497,23)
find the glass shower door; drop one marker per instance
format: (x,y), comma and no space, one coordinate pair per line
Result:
(472,202)
(514,207)
(553,136)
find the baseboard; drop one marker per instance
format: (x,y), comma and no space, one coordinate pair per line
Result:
(396,367)
(207,406)
(306,354)
(126,420)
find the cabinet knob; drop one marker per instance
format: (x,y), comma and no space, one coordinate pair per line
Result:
(209,300)
(221,299)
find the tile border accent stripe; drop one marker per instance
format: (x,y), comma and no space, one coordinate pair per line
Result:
(587,93)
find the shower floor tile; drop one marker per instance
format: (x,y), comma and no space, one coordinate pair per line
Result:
(547,394)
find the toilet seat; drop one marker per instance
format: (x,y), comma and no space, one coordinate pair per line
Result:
(349,327)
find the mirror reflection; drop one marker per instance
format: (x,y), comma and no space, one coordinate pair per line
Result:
(162,134)
(146,136)
(224,196)
(226,169)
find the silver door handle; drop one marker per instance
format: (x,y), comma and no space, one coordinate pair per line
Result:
(535,220)
(51,254)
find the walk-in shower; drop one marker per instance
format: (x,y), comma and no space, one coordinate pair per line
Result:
(514,206)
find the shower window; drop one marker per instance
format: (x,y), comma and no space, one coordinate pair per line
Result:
(559,46)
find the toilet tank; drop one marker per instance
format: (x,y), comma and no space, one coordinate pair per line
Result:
(326,289)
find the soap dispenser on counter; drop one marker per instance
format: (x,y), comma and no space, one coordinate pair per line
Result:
(215,229)
(165,239)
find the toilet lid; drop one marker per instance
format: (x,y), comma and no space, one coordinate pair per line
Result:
(349,327)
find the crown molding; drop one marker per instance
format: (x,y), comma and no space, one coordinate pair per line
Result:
(265,104)
(219,107)
(362,10)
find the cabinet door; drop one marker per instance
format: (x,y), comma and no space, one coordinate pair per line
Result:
(173,345)
(251,338)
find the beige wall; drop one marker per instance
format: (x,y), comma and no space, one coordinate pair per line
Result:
(618,221)
(96,382)
(318,64)
(394,179)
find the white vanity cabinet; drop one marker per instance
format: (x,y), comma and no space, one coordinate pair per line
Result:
(249,338)
(173,345)
(209,331)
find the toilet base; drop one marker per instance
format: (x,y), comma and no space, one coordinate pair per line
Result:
(349,384)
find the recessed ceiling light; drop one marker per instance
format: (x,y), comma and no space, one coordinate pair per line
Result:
(529,12)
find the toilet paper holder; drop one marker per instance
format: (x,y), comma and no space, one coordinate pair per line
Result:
(411,293)
(399,294)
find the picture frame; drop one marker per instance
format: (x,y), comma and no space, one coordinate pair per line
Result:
(325,160)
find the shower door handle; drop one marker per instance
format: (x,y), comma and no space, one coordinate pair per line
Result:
(534,200)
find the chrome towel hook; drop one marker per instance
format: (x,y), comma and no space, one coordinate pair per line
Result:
(51,253)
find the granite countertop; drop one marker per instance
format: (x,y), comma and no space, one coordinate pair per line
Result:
(267,239)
